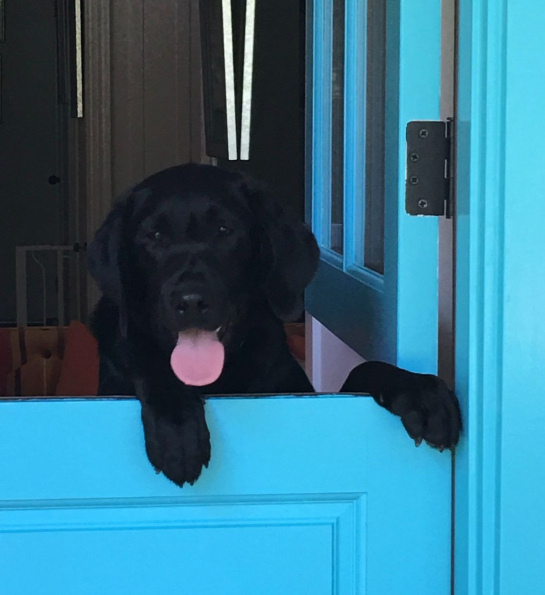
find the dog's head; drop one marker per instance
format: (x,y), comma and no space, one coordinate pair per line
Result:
(187,253)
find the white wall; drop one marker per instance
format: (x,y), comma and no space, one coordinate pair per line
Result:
(328,359)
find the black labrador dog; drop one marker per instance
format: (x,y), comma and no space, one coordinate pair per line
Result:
(199,269)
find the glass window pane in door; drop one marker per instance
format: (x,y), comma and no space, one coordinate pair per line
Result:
(337,127)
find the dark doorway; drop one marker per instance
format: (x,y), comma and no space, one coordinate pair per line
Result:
(277,138)
(33,145)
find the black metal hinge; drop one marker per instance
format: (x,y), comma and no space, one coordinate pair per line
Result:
(428,184)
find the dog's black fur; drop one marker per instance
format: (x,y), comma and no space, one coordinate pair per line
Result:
(198,230)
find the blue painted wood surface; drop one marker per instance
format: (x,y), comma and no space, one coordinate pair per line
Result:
(391,317)
(500,488)
(305,496)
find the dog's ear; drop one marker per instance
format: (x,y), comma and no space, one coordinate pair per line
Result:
(103,254)
(289,253)
(106,257)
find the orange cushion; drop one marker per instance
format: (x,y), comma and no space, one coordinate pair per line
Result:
(295,333)
(79,374)
(6,361)
(296,345)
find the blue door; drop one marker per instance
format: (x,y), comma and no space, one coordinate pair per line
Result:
(304,495)
(375,66)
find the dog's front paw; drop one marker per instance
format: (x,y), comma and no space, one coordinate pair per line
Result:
(179,448)
(429,411)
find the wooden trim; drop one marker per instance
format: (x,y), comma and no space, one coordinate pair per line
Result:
(198,143)
(75,269)
(97,95)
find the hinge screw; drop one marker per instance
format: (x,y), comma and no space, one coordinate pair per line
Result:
(423,133)
(414,180)
(414,157)
(423,203)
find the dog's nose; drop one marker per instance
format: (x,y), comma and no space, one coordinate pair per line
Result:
(192,303)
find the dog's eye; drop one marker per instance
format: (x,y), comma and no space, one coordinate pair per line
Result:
(156,236)
(223,230)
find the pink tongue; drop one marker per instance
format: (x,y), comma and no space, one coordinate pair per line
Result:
(198,357)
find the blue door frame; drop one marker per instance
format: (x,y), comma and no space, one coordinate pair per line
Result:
(500,350)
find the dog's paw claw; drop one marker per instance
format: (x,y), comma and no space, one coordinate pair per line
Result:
(430,412)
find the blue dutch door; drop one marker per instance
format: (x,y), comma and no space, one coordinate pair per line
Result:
(376,67)
(304,495)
